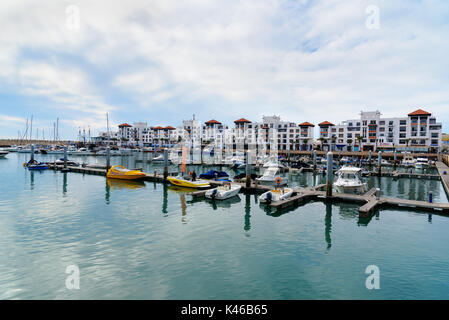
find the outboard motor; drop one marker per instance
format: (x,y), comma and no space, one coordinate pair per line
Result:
(214,194)
(269,197)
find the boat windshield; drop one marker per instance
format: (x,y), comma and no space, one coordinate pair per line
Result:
(270,172)
(349,176)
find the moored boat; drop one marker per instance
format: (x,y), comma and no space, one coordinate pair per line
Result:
(183,182)
(350,181)
(120,172)
(275,195)
(226,191)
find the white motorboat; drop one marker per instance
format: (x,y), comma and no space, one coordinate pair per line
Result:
(408,160)
(271,177)
(350,181)
(160,159)
(276,195)
(226,191)
(3,153)
(422,163)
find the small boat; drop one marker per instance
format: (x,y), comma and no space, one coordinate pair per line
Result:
(408,160)
(226,191)
(350,181)
(120,172)
(270,176)
(160,159)
(34,165)
(70,163)
(276,195)
(3,153)
(180,181)
(421,163)
(219,175)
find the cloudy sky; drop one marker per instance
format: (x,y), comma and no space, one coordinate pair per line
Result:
(162,61)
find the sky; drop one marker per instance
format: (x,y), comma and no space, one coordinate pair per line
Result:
(163,61)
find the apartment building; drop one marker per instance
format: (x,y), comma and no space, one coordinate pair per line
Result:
(418,132)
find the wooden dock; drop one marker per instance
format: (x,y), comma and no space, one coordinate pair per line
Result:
(369,201)
(443,171)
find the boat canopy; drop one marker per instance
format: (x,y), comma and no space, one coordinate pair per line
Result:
(211,174)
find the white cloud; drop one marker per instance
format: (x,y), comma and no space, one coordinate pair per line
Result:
(305,60)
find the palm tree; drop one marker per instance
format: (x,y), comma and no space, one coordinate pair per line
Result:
(359,140)
(305,141)
(322,140)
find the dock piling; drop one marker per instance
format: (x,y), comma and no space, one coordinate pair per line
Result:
(330,174)
(379,162)
(32,153)
(369,157)
(65,157)
(395,158)
(165,164)
(248,169)
(314,160)
(108,158)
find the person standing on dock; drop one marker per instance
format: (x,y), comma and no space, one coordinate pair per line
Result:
(193,175)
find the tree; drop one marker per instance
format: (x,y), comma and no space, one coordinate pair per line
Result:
(305,141)
(322,141)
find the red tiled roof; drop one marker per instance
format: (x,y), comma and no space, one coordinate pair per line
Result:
(326,123)
(125,125)
(242,120)
(419,112)
(213,122)
(169,128)
(157,128)
(306,124)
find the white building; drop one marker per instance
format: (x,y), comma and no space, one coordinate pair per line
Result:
(418,132)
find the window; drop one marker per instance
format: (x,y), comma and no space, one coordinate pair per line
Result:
(403,122)
(382,123)
(390,123)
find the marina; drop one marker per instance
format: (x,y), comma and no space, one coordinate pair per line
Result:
(146,221)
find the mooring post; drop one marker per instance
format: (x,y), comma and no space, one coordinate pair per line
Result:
(369,157)
(395,158)
(379,162)
(32,153)
(330,174)
(108,158)
(377,193)
(248,169)
(314,160)
(65,157)
(165,164)
(430,196)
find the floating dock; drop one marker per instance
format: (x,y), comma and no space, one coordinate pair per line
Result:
(370,201)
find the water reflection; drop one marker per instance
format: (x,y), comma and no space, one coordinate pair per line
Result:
(247,226)
(328,225)
(64,183)
(224,203)
(116,184)
(182,197)
(165,199)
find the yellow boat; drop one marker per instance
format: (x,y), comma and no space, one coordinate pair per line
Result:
(181,182)
(120,172)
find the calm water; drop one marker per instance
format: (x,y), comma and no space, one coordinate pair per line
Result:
(149,241)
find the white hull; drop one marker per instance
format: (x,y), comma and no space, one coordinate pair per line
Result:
(223,193)
(355,189)
(276,195)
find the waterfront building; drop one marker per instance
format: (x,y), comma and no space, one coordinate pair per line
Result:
(306,136)
(325,137)
(418,132)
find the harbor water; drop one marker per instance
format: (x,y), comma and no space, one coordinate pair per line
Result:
(144,240)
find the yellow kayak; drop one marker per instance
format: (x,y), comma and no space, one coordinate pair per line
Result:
(181,182)
(120,172)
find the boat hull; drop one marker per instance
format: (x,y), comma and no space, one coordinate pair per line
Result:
(113,173)
(200,184)
(276,195)
(359,189)
(222,194)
